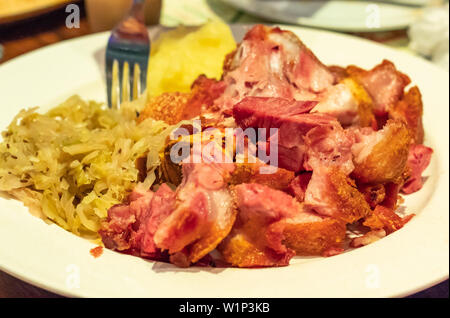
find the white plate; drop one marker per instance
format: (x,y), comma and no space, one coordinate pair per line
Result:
(412,259)
(347,16)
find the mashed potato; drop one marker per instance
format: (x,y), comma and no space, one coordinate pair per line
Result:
(178,57)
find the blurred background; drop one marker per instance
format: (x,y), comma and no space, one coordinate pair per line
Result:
(419,27)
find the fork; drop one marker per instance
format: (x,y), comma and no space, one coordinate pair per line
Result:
(128,47)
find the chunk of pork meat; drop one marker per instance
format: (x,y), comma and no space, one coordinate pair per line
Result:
(309,234)
(116,229)
(256,238)
(161,206)
(204,213)
(300,65)
(339,102)
(271,112)
(251,173)
(304,140)
(384,83)
(270,62)
(204,91)
(381,156)
(291,120)
(419,158)
(172,107)
(409,110)
(131,227)
(331,193)
(297,187)
(349,102)
(329,145)
(267,222)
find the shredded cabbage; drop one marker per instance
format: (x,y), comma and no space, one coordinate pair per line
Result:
(77,160)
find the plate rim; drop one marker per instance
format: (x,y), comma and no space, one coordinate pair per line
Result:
(306,21)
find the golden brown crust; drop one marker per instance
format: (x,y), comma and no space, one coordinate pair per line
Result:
(345,196)
(174,107)
(247,246)
(256,241)
(374,194)
(409,110)
(211,239)
(365,103)
(238,251)
(249,173)
(167,107)
(387,160)
(385,218)
(314,238)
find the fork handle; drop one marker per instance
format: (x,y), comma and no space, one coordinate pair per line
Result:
(137,10)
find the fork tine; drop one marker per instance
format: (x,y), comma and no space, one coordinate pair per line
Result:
(143,75)
(108,69)
(115,86)
(123,85)
(126,82)
(136,81)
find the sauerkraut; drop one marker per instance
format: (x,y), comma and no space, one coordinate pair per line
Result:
(71,164)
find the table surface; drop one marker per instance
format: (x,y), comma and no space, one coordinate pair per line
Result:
(20,38)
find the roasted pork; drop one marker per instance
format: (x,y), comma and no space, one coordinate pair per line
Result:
(384,83)
(332,193)
(419,158)
(204,212)
(348,141)
(270,62)
(272,227)
(381,156)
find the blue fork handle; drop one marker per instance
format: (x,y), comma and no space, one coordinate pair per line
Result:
(129,42)
(137,10)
